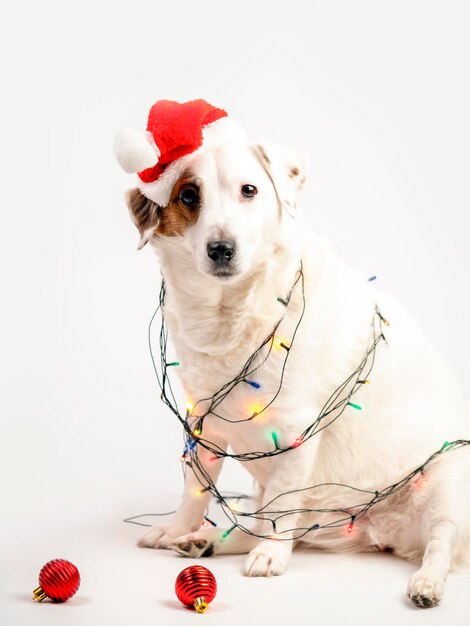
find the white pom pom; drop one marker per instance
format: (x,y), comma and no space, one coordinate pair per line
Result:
(135,150)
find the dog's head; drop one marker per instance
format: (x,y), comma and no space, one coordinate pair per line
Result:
(228,209)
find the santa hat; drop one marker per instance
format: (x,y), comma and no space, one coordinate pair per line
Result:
(175,131)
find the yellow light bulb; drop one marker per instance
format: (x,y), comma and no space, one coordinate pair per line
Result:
(280,344)
(189,407)
(277,343)
(255,409)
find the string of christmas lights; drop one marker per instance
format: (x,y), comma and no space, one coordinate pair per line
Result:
(334,407)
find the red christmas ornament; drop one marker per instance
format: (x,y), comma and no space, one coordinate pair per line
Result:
(58,580)
(196,587)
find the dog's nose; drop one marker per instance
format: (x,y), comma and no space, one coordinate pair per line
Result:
(221,251)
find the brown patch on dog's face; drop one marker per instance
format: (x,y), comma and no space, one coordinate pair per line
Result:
(180,213)
(183,208)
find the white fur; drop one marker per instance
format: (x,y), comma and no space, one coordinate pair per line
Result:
(411,407)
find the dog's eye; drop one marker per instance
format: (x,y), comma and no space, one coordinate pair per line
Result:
(249,191)
(189,197)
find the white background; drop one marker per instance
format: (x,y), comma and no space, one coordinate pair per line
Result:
(378,94)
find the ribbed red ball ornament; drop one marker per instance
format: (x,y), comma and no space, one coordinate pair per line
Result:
(58,580)
(196,587)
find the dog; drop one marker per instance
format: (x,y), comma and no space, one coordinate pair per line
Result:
(231,242)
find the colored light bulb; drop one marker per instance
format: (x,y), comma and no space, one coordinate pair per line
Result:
(355,406)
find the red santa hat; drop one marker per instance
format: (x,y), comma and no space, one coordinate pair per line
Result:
(175,132)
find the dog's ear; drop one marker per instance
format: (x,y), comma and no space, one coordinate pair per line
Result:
(287,170)
(144,213)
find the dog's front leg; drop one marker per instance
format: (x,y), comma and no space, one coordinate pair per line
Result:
(291,471)
(195,500)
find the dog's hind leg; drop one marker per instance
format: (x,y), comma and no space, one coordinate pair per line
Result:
(445,524)
(426,586)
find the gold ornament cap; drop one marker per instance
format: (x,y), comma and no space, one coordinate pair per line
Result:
(39,594)
(200,604)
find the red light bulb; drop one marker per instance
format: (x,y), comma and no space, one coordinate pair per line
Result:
(195,587)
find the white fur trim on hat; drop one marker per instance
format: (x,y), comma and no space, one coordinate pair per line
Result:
(221,131)
(135,150)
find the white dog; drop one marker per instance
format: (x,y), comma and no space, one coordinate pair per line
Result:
(231,241)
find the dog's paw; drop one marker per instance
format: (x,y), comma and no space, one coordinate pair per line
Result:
(193,545)
(159,536)
(269,558)
(425,591)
